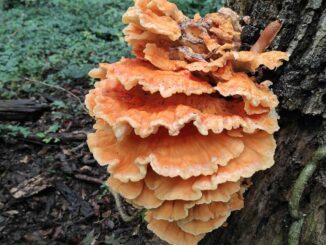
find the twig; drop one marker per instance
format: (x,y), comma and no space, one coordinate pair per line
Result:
(267,36)
(58,88)
(125,217)
(88,160)
(89,179)
(78,147)
(75,157)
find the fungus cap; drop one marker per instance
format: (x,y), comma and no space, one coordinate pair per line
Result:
(258,98)
(133,72)
(208,217)
(157,16)
(146,113)
(186,155)
(179,209)
(183,125)
(170,231)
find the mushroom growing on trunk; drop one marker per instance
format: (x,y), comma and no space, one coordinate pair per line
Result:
(185,123)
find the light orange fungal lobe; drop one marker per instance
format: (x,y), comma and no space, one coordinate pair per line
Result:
(184,125)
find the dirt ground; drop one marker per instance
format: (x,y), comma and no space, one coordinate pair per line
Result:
(59,197)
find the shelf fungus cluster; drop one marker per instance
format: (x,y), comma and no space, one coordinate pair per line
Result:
(181,126)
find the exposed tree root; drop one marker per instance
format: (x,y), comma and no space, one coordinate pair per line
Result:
(296,194)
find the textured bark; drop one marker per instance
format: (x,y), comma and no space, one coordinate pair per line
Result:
(300,85)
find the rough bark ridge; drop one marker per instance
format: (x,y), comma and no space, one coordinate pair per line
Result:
(300,85)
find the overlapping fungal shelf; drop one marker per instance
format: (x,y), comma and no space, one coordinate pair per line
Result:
(182,125)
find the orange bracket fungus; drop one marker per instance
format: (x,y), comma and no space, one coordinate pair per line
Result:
(183,125)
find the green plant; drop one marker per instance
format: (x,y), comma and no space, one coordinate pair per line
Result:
(46,135)
(14,130)
(58,104)
(59,41)
(104,191)
(191,7)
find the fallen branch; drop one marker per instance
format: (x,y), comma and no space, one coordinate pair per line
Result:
(21,110)
(59,88)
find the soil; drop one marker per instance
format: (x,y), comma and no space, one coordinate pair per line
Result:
(68,205)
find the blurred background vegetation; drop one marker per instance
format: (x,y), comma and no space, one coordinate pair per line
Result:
(59,41)
(54,43)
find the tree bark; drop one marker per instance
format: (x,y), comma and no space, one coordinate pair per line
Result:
(300,85)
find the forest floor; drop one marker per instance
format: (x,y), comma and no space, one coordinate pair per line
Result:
(57,43)
(60,198)
(52,190)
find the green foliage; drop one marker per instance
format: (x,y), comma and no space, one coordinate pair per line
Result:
(46,135)
(9,130)
(142,214)
(191,7)
(59,41)
(58,104)
(104,191)
(14,130)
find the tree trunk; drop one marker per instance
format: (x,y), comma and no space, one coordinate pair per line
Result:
(300,85)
